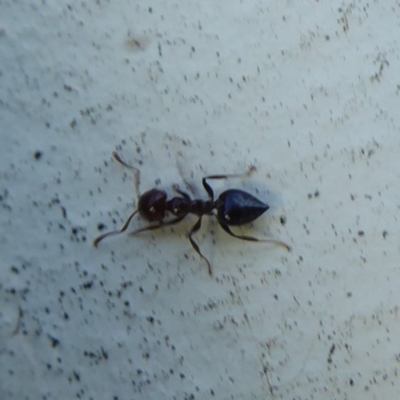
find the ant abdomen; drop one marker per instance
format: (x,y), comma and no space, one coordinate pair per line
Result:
(236,207)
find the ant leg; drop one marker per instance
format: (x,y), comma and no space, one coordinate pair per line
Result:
(208,188)
(195,228)
(159,225)
(226,228)
(136,172)
(123,229)
(183,194)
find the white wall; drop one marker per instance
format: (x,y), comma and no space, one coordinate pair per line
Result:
(307,91)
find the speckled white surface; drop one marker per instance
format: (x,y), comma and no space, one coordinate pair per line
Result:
(307,91)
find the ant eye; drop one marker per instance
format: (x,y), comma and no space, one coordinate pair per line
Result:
(152,210)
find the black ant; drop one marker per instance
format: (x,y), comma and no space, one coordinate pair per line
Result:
(234,208)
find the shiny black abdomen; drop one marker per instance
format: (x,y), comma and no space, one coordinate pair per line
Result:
(236,207)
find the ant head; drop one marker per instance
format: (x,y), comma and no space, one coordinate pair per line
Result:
(152,205)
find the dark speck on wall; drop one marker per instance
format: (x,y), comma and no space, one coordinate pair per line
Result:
(53,341)
(331,351)
(101,226)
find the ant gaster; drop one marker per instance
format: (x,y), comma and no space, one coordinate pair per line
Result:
(234,208)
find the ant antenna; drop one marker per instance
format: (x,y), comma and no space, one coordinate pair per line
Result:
(123,229)
(136,172)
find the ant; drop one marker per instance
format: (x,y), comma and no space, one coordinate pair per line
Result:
(234,208)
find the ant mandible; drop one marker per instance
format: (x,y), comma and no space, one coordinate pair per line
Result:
(234,208)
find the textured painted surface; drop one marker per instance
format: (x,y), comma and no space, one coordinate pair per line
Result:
(306,91)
